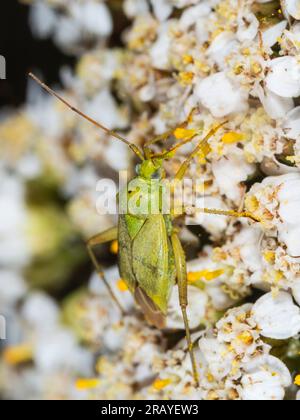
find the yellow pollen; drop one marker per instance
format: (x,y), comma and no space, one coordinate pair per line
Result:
(186,77)
(297,380)
(114,247)
(184,133)
(122,286)
(278,275)
(246,338)
(188,59)
(160,384)
(16,355)
(269,256)
(210,377)
(232,137)
(202,66)
(251,203)
(86,384)
(204,275)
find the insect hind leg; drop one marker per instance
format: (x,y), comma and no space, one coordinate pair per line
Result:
(102,238)
(180,263)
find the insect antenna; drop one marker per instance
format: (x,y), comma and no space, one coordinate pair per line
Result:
(112,133)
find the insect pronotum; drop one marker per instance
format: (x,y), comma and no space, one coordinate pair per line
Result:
(151,257)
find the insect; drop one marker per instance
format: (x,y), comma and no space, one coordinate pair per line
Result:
(151,257)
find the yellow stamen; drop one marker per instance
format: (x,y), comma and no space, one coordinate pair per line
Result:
(269,256)
(186,77)
(251,203)
(246,338)
(210,377)
(114,247)
(188,59)
(160,384)
(297,380)
(86,384)
(122,286)
(232,137)
(16,355)
(207,275)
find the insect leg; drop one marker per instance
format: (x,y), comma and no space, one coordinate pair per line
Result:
(101,238)
(180,262)
(230,213)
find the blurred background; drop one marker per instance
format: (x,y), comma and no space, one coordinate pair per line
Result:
(49,165)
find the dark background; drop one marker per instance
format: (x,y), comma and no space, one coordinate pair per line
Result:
(23,53)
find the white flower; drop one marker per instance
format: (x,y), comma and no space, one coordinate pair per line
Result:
(270,36)
(42,20)
(193,15)
(67,33)
(229,172)
(221,47)
(247,26)
(159,52)
(134,8)
(220,95)
(247,241)
(60,351)
(162,9)
(277,316)
(92,17)
(12,286)
(266,381)
(197,304)
(275,106)
(276,203)
(283,77)
(292,7)
(38,304)
(13,248)
(291,124)
(211,356)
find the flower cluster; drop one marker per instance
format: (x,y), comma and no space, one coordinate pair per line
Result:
(183,67)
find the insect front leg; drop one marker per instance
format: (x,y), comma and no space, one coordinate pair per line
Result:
(180,262)
(106,236)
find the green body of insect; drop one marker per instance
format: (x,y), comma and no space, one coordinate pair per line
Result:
(151,257)
(146,255)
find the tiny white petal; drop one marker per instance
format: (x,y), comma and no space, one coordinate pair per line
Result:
(221,96)
(221,47)
(162,9)
(290,235)
(283,78)
(191,15)
(93,17)
(261,386)
(296,290)
(159,52)
(42,20)
(277,316)
(293,8)
(270,36)
(291,124)
(247,27)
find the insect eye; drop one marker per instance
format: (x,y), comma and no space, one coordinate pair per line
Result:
(156,175)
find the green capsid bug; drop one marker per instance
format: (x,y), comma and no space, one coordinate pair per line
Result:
(151,257)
